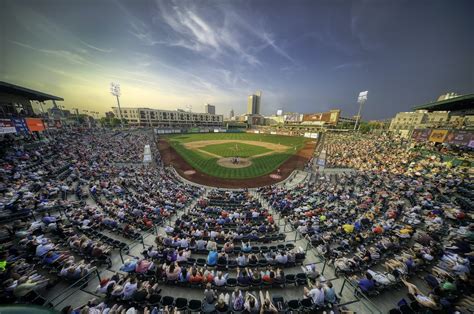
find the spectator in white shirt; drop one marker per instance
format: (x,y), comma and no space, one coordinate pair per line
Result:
(316,293)
(221,279)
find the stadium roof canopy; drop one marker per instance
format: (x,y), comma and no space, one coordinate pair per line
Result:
(8,88)
(461,103)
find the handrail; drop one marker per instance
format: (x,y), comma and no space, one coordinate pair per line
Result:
(72,286)
(309,246)
(369,304)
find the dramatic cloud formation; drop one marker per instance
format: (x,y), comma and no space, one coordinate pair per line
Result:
(305,56)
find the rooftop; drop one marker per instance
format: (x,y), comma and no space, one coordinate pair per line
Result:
(461,103)
(26,92)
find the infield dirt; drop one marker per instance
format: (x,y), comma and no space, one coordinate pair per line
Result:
(297,161)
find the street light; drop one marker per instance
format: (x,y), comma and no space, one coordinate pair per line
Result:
(115,90)
(361,100)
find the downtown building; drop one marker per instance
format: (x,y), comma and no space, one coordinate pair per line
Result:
(253,116)
(253,103)
(168,118)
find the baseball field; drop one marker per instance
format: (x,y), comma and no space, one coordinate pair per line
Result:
(235,155)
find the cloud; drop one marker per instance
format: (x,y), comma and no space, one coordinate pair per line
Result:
(271,42)
(63,54)
(64,73)
(193,32)
(347,65)
(139,29)
(95,48)
(265,38)
(214,34)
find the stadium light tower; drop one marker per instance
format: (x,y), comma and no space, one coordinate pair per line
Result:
(361,100)
(115,90)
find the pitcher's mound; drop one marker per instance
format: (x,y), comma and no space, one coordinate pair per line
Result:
(229,162)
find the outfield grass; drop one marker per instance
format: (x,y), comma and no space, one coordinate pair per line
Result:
(235,149)
(260,166)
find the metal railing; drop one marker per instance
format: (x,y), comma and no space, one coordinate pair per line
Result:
(73,288)
(359,296)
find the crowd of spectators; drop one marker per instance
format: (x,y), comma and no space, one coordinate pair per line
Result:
(65,203)
(400,215)
(58,194)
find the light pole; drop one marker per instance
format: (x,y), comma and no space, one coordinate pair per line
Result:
(96,115)
(87,118)
(115,90)
(77,115)
(361,100)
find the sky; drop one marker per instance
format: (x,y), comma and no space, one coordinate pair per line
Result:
(305,56)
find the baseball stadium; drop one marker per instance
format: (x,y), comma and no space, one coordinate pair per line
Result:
(236,157)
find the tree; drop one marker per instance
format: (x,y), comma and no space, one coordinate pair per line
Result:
(114,122)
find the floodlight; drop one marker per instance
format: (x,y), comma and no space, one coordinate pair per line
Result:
(362,96)
(361,101)
(115,89)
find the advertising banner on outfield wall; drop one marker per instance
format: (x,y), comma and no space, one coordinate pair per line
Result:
(459,137)
(310,135)
(438,136)
(35,124)
(7,126)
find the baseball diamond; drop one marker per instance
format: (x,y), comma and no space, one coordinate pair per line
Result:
(233,156)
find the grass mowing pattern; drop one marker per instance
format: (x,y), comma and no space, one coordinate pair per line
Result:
(235,149)
(260,166)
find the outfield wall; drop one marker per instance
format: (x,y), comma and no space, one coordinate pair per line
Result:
(197,130)
(285,133)
(194,130)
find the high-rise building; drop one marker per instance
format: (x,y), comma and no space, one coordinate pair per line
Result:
(253,103)
(232,114)
(210,109)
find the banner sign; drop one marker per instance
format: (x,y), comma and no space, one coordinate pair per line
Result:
(7,126)
(438,136)
(459,137)
(20,125)
(310,135)
(420,135)
(52,124)
(34,124)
